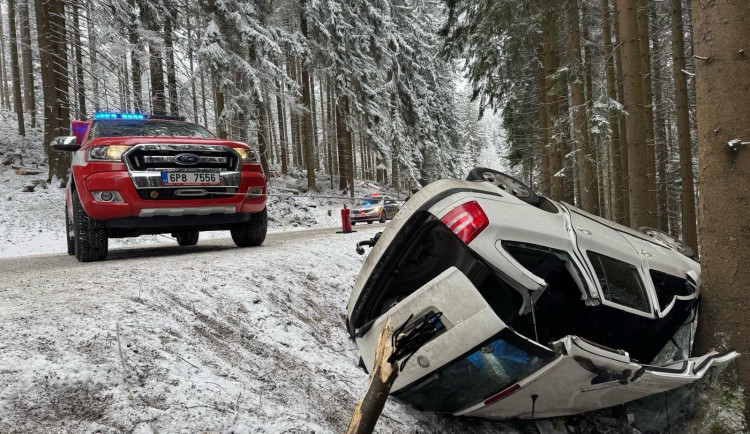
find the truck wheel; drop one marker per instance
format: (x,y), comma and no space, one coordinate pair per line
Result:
(69,234)
(189,238)
(252,232)
(90,235)
(506,183)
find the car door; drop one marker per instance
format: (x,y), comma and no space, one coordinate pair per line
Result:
(391,207)
(613,264)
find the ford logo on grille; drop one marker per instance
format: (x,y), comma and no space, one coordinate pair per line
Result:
(186,159)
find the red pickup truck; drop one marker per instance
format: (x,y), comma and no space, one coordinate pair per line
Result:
(135,174)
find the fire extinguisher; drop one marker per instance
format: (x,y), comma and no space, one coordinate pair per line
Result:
(346,222)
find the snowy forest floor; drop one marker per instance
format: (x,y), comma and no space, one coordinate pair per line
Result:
(213,338)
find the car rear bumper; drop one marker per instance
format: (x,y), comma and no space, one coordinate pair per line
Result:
(135,206)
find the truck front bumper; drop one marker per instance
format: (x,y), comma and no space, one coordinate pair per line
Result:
(248,198)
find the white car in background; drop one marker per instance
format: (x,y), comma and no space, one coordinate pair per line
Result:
(539,309)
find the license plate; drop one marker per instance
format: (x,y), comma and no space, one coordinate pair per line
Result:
(189,178)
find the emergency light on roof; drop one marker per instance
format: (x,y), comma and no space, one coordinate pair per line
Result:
(128,116)
(136,116)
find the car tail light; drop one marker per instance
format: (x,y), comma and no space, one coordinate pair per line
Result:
(467,221)
(504,394)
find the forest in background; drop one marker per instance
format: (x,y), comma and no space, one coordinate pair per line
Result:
(352,90)
(367,90)
(597,97)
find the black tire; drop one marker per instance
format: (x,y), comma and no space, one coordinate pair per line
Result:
(90,235)
(369,222)
(382,217)
(252,232)
(354,223)
(664,237)
(506,183)
(69,234)
(189,238)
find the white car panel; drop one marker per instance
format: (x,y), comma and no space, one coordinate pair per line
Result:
(407,210)
(565,386)
(467,324)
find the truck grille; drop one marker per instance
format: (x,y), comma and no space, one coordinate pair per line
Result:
(163,156)
(146,163)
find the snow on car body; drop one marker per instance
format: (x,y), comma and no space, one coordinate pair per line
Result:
(547,310)
(134,174)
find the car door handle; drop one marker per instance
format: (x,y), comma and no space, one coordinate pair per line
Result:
(646,253)
(584,230)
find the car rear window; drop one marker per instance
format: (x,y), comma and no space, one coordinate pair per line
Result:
(620,282)
(146,128)
(477,376)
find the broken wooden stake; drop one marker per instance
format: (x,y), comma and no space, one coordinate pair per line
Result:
(368,410)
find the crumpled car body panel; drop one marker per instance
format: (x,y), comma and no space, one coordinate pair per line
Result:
(546,311)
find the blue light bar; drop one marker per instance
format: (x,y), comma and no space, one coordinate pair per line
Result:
(127,116)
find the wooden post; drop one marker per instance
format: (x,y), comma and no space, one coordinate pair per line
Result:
(368,410)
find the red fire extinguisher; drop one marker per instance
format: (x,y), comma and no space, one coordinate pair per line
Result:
(346,222)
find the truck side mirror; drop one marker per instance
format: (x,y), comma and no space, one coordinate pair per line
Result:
(65,143)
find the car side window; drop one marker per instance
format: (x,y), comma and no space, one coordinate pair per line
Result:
(620,282)
(668,287)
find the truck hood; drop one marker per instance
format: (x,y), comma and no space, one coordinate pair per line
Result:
(138,140)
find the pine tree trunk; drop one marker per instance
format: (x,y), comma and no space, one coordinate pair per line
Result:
(660,132)
(92,54)
(648,111)
(193,91)
(221,121)
(543,122)
(622,122)
(15,69)
(135,61)
(282,131)
(28,67)
(589,187)
(552,105)
(204,101)
(156,70)
(77,48)
(682,114)
(395,151)
(344,142)
(4,71)
(722,73)
(308,101)
(618,211)
(333,139)
(53,56)
(640,212)
(174,108)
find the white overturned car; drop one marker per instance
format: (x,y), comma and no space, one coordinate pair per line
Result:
(539,309)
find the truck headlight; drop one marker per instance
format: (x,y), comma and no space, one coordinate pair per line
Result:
(247,156)
(106,153)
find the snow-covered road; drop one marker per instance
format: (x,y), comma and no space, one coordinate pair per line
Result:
(212,338)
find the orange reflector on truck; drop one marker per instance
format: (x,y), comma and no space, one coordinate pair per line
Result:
(467,221)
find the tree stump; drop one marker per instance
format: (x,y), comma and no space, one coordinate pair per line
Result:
(368,410)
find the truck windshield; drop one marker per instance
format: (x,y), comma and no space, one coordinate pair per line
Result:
(477,376)
(146,128)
